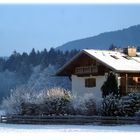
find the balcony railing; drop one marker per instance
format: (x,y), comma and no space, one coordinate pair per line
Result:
(133,88)
(86,70)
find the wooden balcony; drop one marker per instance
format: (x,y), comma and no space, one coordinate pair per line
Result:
(86,70)
(133,88)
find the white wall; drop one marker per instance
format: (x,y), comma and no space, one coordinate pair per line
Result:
(78,85)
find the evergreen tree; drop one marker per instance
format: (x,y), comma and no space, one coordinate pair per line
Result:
(44,59)
(52,56)
(32,57)
(13,63)
(25,58)
(2,62)
(110,86)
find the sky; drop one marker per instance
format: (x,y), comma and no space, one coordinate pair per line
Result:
(39,26)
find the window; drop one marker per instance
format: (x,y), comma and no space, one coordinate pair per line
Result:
(133,81)
(127,57)
(90,82)
(115,57)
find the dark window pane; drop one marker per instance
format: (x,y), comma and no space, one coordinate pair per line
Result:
(90,82)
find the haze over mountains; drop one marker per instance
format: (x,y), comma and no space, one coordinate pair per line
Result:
(120,38)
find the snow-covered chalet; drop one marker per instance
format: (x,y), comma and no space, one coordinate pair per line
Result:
(89,69)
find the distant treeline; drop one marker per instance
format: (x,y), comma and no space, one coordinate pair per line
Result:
(22,64)
(34,70)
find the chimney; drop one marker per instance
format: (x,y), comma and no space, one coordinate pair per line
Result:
(130,51)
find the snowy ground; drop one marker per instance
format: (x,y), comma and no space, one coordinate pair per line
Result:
(68,132)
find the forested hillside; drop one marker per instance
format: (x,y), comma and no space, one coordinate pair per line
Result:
(34,70)
(121,38)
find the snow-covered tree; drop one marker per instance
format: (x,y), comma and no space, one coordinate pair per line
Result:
(86,104)
(58,101)
(13,103)
(9,80)
(23,101)
(46,79)
(54,101)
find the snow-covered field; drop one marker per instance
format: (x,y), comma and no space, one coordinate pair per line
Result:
(68,132)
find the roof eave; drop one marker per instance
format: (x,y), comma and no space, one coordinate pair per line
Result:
(128,71)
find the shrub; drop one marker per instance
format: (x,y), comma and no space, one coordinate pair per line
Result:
(84,105)
(129,105)
(125,106)
(13,103)
(29,109)
(58,101)
(109,106)
(54,101)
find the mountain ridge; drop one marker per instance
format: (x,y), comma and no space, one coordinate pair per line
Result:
(121,38)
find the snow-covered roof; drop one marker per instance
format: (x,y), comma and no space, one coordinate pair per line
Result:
(116,60)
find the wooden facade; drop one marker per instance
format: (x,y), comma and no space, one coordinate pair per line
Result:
(84,65)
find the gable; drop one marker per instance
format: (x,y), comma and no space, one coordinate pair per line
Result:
(81,59)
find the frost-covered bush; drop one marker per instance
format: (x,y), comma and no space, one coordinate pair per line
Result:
(125,106)
(109,106)
(78,105)
(54,101)
(13,103)
(86,104)
(129,105)
(57,101)
(137,113)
